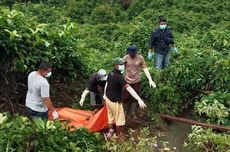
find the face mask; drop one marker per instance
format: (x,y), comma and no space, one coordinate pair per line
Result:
(121,68)
(162,27)
(48,74)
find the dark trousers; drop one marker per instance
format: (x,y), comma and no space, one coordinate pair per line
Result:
(130,104)
(96,99)
(42,115)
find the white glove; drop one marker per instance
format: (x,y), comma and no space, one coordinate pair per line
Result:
(142,104)
(152,84)
(135,95)
(55,114)
(81,102)
(104,97)
(84,94)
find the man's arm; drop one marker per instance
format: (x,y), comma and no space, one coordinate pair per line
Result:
(151,83)
(48,103)
(151,42)
(105,90)
(135,96)
(172,43)
(45,94)
(84,94)
(146,71)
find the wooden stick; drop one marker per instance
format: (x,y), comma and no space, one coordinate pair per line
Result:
(133,120)
(193,122)
(207,92)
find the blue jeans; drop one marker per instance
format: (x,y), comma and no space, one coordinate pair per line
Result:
(42,115)
(161,60)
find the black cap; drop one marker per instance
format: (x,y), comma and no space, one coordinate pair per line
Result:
(162,19)
(132,49)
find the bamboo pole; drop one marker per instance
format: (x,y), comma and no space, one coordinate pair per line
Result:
(193,122)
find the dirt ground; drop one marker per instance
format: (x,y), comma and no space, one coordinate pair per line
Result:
(62,94)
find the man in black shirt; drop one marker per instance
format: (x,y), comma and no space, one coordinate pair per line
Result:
(161,40)
(95,87)
(113,97)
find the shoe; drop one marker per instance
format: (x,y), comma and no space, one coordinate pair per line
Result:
(110,134)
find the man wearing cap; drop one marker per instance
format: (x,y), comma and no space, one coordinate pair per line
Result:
(134,63)
(96,85)
(161,40)
(113,97)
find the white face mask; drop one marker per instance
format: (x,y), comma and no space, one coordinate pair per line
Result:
(121,68)
(162,27)
(48,74)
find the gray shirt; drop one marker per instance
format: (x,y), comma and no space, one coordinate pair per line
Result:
(38,88)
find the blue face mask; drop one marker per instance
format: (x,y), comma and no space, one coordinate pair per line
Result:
(162,27)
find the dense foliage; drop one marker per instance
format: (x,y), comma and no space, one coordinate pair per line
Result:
(206,140)
(81,42)
(215,107)
(21,134)
(81,36)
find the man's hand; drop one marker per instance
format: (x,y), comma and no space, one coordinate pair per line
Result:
(175,51)
(55,114)
(152,84)
(141,104)
(150,55)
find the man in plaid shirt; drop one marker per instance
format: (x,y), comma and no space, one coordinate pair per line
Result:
(161,40)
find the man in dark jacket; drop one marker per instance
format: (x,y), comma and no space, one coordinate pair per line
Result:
(161,40)
(95,87)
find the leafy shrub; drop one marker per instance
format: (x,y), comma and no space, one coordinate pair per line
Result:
(80,11)
(165,98)
(21,134)
(207,140)
(103,14)
(104,31)
(42,12)
(214,107)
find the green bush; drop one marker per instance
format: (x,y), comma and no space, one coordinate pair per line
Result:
(22,134)
(214,108)
(207,140)
(81,36)
(103,14)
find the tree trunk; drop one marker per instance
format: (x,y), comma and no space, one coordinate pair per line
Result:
(193,122)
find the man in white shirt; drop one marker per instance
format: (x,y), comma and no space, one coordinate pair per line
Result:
(38,99)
